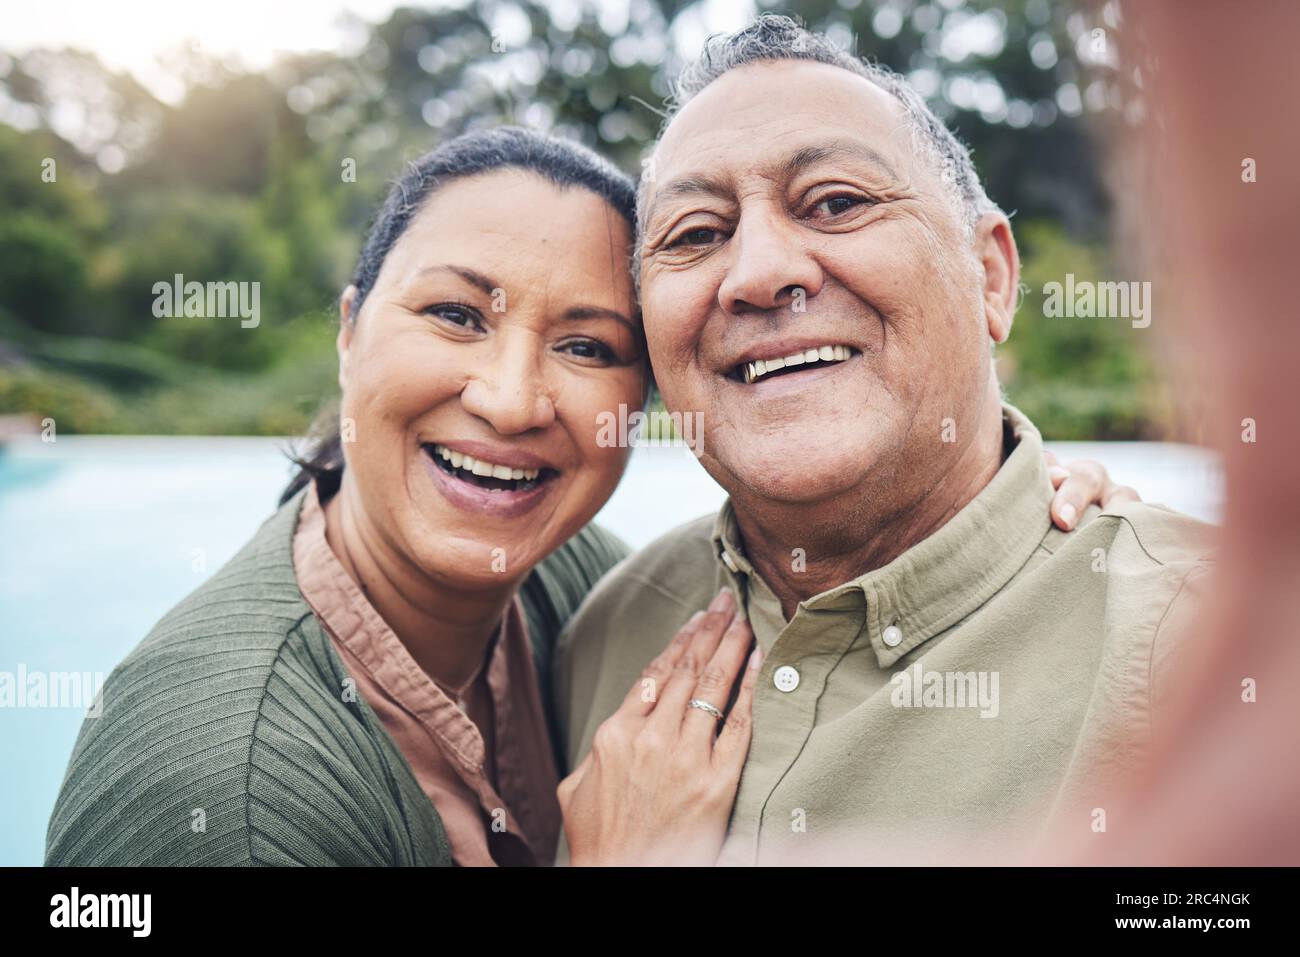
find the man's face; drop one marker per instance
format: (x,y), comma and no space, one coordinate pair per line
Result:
(791,211)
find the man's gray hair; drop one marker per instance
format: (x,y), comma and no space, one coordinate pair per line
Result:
(775,37)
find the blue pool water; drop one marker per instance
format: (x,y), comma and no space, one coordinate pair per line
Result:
(100,536)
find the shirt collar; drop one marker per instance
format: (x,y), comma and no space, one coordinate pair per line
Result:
(916,597)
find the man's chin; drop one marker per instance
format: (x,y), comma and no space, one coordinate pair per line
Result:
(796,478)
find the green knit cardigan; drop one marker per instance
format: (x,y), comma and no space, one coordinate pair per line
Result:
(225,737)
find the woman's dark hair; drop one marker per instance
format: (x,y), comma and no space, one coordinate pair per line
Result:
(562,162)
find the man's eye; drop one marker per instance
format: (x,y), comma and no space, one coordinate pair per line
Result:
(695,237)
(838,205)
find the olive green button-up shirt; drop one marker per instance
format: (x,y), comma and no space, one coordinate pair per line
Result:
(998,675)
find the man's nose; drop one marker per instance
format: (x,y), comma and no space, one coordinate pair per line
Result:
(507,387)
(770,266)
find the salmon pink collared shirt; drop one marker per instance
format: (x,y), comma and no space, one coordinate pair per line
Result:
(484,761)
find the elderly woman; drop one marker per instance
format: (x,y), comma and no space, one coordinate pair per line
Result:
(365,682)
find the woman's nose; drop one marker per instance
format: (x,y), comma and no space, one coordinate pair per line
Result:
(508,388)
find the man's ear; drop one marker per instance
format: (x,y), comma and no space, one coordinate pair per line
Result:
(347,324)
(996,249)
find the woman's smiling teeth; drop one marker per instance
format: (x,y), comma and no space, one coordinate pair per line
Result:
(751,372)
(489,475)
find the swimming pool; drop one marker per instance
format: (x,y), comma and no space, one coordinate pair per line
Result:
(99,536)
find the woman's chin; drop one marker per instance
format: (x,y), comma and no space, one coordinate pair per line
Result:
(474,564)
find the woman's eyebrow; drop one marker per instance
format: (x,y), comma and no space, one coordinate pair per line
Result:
(474,278)
(579,313)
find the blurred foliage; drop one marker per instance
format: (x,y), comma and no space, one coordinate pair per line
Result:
(1077,378)
(241,180)
(93,385)
(75,404)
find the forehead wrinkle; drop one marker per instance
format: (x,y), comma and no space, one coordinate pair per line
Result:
(778,170)
(812,155)
(702,183)
(752,118)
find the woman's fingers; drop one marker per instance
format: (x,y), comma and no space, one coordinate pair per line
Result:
(564,791)
(666,719)
(732,746)
(634,798)
(1081,487)
(1113,495)
(643,694)
(699,725)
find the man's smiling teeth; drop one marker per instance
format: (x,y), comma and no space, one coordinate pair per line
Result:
(753,371)
(460,460)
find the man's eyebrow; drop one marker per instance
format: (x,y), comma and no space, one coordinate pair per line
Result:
(801,160)
(687,186)
(812,155)
(476,279)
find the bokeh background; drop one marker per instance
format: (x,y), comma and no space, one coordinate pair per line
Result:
(219,154)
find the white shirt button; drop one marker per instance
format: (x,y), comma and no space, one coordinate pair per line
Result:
(892,636)
(785,678)
(729,561)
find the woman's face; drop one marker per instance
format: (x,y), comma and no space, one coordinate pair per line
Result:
(502,323)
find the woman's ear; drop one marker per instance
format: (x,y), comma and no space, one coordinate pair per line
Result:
(347,323)
(996,249)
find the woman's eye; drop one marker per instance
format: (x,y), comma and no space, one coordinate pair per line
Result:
(461,316)
(589,349)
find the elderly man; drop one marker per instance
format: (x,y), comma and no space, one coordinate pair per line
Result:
(823,277)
